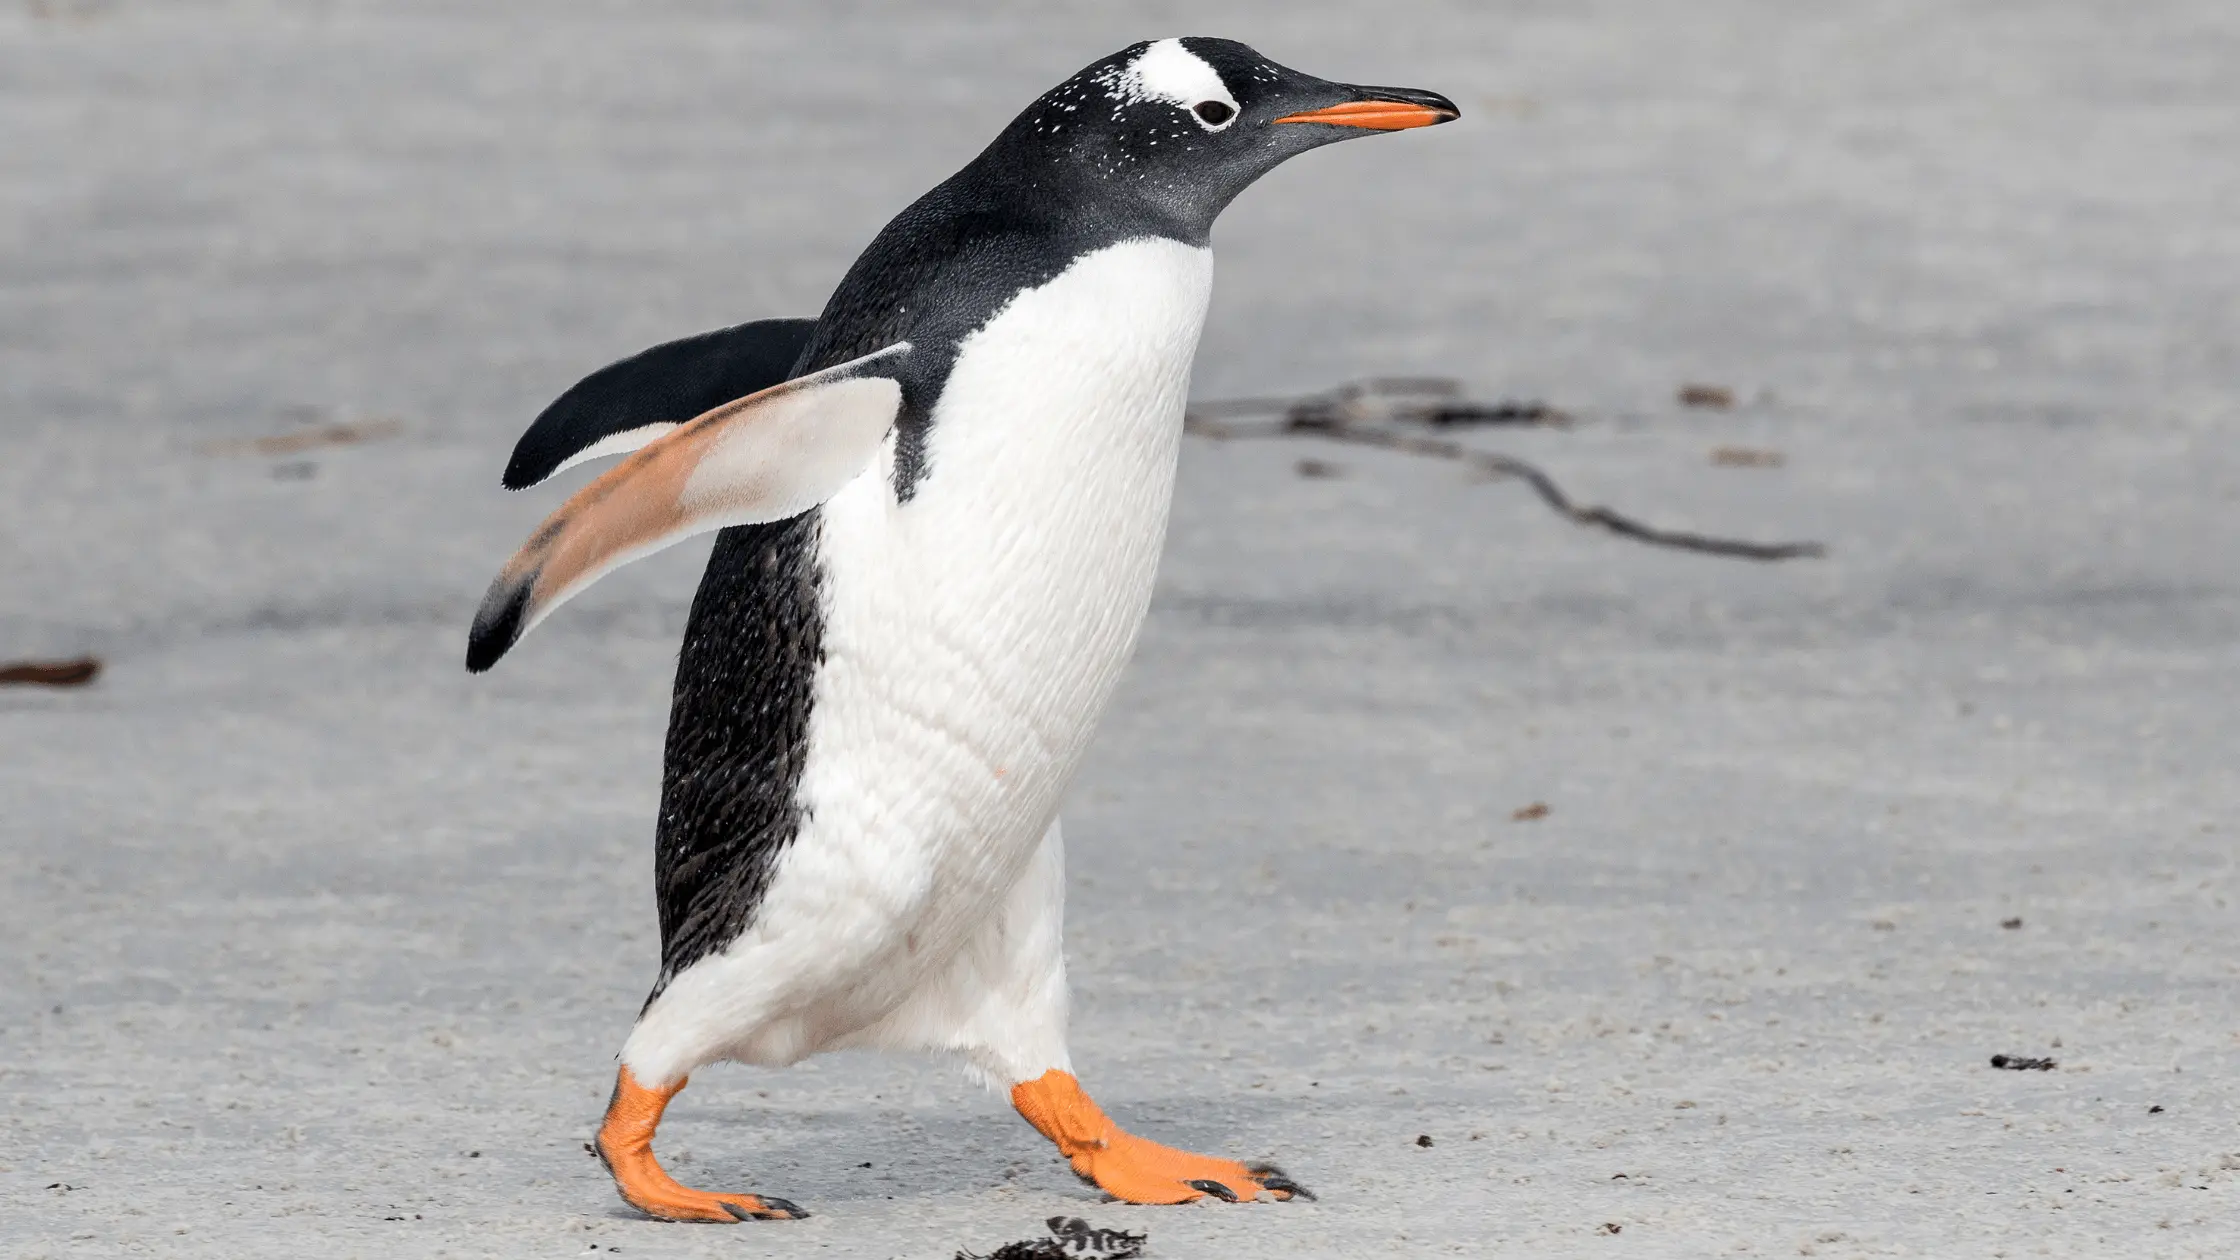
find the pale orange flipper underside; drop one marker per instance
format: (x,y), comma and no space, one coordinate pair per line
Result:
(626,1147)
(1128,1167)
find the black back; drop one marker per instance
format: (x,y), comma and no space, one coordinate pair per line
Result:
(738,736)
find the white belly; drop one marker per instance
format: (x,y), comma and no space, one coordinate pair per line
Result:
(973,636)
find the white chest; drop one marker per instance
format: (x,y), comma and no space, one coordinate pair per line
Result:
(974,633)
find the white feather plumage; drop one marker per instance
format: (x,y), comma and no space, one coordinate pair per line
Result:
(973,636)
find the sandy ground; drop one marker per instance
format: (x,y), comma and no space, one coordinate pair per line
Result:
(313,945)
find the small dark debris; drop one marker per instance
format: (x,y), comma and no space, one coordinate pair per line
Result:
(1716,397)
(2155,1110)
(302,440)
(591,1150)
(1530,813)
(1507,411)
(66,1186)
(1619,1177)
(474,1154)
(2010,924)
(1747,457)
(1071,1238)
(72,673)
(2018,1063)
(1112,1244)
(1423,1139)
(1024,1249)
(1318,470)
(1611,1227)
(865,1164)
(1435,402)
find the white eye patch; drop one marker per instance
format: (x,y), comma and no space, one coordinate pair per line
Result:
(1166,71)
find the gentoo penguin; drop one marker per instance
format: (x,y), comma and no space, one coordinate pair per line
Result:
(941,505)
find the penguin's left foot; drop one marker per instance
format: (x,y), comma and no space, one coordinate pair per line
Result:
(1128,1167)
(626,1148)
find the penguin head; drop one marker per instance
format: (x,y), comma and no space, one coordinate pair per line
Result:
(1181,126)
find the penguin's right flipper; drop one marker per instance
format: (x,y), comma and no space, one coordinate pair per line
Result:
(767,457)
(629,403)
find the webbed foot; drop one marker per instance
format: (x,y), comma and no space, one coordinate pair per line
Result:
(625,1146)
(1130,1168)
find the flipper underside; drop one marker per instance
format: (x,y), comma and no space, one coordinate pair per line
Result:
(766,457)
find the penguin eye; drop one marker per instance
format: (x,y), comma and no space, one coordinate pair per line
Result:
(1214,113)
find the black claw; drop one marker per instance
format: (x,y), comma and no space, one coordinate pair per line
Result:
(1214,1188)
(774,1209)
(1274,1179)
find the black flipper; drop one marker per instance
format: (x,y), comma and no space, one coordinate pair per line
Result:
(668,384)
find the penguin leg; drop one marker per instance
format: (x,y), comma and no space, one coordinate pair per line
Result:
(626,1147)
(1000,1001)
(1002,1005)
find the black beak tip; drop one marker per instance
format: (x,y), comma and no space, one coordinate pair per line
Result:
(1415,96)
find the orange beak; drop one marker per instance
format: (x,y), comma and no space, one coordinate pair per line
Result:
(1376,115)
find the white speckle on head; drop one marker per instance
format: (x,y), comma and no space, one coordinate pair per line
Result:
(1166,71)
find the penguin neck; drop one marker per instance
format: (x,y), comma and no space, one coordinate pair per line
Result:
(1067,185)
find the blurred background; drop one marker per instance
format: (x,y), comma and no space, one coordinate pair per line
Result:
(313,940)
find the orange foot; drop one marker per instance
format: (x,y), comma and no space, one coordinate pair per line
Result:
(1129,1168)
(626,1148)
